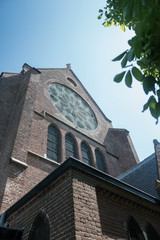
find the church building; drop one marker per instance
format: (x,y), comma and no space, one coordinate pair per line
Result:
(66,173)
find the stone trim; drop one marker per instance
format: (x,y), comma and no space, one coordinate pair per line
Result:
(126,201)
(44,114)
(18,162)
(44,158)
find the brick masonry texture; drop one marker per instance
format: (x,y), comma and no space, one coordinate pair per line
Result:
(79,207)
(12,97)
(57,203)
(28,111)
(98,216)
(80,203)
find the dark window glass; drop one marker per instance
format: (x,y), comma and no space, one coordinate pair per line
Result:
(100,161)
(70,146)
(86,155)
(40,229)
(134,230)
(53,144)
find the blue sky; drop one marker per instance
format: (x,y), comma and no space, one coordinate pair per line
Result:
(52,33)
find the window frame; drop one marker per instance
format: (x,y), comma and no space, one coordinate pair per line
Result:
(54,132)
(101,160)
(73,144)
(134,230)
(40,219)
(89,159)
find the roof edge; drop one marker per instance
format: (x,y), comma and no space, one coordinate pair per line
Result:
(73,162)
(27,67)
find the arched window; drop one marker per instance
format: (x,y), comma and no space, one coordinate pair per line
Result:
(99,160)
(40,228)
(134,230)
(151,233)
(53,144)
(86,154)
(70,146)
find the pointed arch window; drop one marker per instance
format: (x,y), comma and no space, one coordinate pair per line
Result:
(151,233)
(86,154)
(134,230)
(53,144)
(70,146)
(100,160)
(40,229)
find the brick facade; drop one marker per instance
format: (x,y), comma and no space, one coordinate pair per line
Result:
(83,203)
(77,200)
(28,111)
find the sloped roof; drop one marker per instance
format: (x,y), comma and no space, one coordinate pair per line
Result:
(143,176)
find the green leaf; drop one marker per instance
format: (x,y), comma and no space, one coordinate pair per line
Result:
(154,107)
(122,27)
(130,42)
(128,11)
(118,78)
(128,79)
(137,46)
(100,11)
(145,107)
(158,109)
(158,93)
(137,74)
(141,64)
(149,84)
(119,57)
(124,60)
(130,55)
(138,28)
(107,24)
(150,103)
(100,16)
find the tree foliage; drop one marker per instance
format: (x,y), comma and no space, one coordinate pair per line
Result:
(142,59)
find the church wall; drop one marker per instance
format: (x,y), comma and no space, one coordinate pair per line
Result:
(44,102)
(12,97)
(22,179)
(80,206)
(23,133)
(57,203)
(26,137)
(115,213)
(13,188)
(38,169)
(103,212)
(121,150)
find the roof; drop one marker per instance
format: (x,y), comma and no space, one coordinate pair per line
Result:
(143,176)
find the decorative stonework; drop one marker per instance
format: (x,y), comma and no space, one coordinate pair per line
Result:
(126,201)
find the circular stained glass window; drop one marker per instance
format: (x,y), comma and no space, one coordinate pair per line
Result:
(72,106)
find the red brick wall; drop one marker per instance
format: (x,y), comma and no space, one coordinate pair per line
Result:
(23,133)
(20,179)
(118,143)
(27,131)
(57,202)
(83,207)
(12,95)
(102,212)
